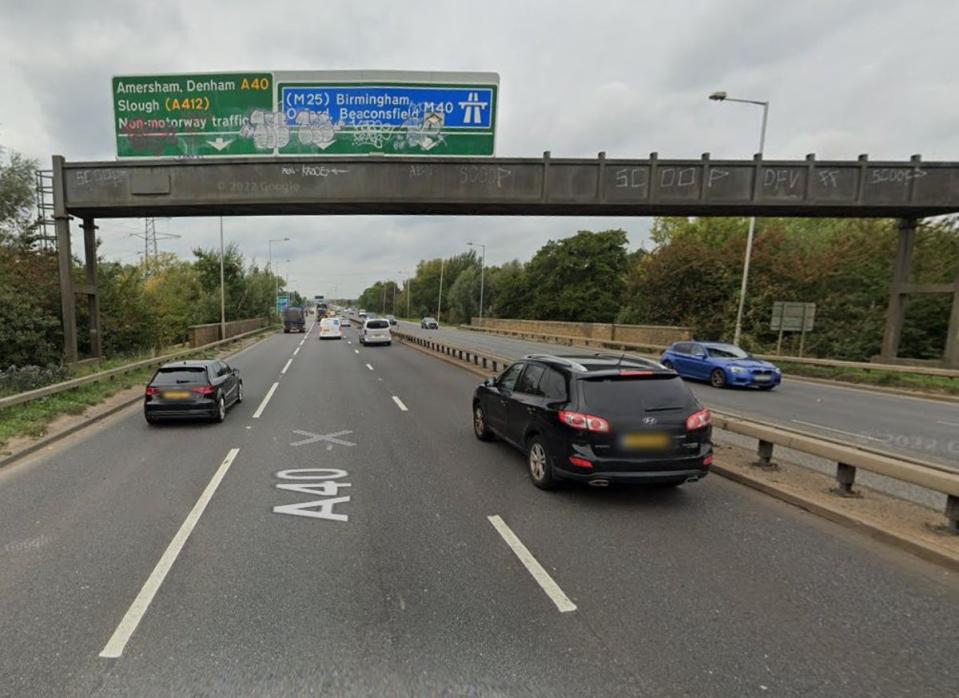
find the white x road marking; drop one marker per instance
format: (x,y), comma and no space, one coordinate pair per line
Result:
(316,438)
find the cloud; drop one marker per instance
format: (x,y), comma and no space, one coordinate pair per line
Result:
(627,77)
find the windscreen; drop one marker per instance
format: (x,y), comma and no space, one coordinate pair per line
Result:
(180,375)
(377,324)
(616,395)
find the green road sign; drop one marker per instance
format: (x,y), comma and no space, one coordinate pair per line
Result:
(190,115)
(305,113)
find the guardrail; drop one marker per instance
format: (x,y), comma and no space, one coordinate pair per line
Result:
(63,386)
(572,340)
(848,459)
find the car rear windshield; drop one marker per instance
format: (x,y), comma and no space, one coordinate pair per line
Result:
(377,324)
(626,395)
(180,375)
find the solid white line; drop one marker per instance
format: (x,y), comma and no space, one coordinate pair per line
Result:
(118,641)
(541,576)
(369,367)
(399,403)
(296,351)
(948,424)
(838,431)
(289,361)
(266,399)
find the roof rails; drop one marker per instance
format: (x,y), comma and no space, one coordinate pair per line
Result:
(629,357)
(558,359)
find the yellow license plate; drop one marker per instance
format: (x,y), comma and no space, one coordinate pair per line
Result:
(646,441)
(176,395)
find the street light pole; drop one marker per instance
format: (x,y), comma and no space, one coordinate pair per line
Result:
(276,279)
(482,275)
(222,289)
(439,301)
(721,97)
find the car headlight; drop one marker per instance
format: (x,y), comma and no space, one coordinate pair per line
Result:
(776,370)
(737,369)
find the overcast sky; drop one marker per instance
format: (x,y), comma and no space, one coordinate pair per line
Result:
(627,77)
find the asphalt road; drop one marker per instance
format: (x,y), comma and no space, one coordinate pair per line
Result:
(923,428)
(172,551)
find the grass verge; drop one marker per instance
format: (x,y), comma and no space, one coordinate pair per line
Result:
(886,379)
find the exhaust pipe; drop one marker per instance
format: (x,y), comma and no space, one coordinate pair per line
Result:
(599,483)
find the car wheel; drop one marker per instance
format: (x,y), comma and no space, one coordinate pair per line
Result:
(388,343)
(152,421)
(239,392)
(718,378)
(668,364)
(540,464)
(220,413)
(479,424)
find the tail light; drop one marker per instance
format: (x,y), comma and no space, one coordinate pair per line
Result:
(708,460)
(629,372)
(151,391)
(699,420)
(581,462)
(204,389)
(578,420)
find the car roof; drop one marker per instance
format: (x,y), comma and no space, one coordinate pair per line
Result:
(599,363)
(195,363)
(713,345)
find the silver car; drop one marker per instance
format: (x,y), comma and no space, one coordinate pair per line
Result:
(376,331)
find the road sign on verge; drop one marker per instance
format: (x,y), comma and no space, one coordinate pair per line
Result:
(793,317)
(282,301)
(305,113)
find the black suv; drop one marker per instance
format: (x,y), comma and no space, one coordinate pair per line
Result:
(186,389)
(597,418)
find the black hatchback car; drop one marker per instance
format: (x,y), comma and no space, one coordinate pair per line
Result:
(190,389)
(597,419)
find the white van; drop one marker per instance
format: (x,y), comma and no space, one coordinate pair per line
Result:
(330,328)
(376,331)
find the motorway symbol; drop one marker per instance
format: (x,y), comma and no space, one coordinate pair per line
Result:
(330,439)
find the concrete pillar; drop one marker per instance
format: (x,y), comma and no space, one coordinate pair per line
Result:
(93,290)
(901,272)
(65,263)
(951,356)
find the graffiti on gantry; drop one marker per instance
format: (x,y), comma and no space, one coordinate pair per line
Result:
(268,130)
(315,128)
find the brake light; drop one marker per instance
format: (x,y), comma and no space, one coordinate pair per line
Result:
(151,391)
(708,460)
(581,462)
(628,372)
(578,420)
(699,420)
(204,389)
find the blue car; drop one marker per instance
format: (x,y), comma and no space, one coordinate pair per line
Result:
(720,364)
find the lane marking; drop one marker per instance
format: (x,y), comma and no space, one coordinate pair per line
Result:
(348,342)
(356,351)
(548,585)
(287,365)
(948,424)
(838,431)
(303,340)
(369,367)
(296,351)
(399,403)
(131,619)
(266,399)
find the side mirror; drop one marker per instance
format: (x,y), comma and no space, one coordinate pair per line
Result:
(489,382)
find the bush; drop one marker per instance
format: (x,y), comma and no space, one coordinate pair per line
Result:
(19,379)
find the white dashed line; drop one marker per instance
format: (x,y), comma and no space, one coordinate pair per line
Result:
(289,361)
(369,367)
(356,351)
(948,424)
(838,431)
(131,619)
(399,403)
(556,595)
(269,394)
(296,351)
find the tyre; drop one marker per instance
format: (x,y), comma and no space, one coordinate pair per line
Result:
(540,464)
(480,429)
(220,413)
(668,364)
(718,378)
(152,421)
(239,392)
(388,343)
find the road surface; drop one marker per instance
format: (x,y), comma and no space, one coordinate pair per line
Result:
(138,560)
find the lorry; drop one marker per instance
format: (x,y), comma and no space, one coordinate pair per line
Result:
(294,319)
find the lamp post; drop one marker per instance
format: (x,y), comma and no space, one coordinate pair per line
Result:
(482,275)
(439,300)
(276,278)
(222,290)
(722,97)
